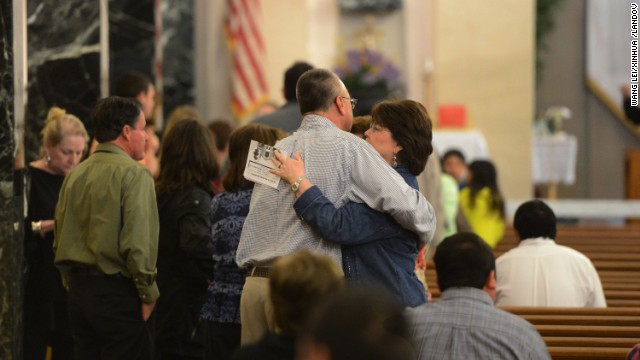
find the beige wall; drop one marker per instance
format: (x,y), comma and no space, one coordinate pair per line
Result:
(484,58)
(286,33)
(483,53)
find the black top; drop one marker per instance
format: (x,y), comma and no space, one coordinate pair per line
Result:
(185,265)
(43,197)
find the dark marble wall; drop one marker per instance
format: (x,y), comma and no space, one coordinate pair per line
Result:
(64,62)
(131,38)
(132,46)
(11,200)
(177,37)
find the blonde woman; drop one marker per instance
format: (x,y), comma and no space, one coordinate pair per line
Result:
(64,142)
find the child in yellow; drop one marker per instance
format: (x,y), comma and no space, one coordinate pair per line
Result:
(482,203)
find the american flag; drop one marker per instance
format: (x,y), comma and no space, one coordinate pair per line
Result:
(244,34)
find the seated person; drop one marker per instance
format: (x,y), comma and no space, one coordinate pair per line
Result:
(540,272)
(464,323)
(298,283)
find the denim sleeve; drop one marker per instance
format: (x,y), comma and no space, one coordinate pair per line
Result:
(351,224)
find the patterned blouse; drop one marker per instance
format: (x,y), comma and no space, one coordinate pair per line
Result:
(222,302)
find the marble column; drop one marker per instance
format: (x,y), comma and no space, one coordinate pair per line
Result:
(11,197)
(64,62)
(131,34)
(178,62)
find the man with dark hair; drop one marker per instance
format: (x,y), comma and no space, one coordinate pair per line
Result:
(344,167)
(465,323)
(288,117)
(106,239)
(137,86)
(540,272)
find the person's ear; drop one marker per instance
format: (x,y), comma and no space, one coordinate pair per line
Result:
(490,286)
(126,131)
(341,105)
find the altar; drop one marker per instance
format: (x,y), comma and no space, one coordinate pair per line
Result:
(554,161)
(470,142)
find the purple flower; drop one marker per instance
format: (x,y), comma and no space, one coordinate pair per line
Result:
(366,68)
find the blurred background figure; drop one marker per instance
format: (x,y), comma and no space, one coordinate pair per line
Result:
(180,113)
(220,312)
(288,117)
(221,130)
(64,142)
(631,112)
(454,164)
(360,125)
(266,107)
(298,284)
(356,324)
(482,203)
(139,87)
(184,193)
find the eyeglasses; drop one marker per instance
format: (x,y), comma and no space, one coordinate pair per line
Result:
(377,128)
(352,101)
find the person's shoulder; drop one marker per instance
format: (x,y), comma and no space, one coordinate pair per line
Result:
(510,322)
(573,253)
(509,255)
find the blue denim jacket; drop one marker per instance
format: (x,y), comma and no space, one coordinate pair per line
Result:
(376,250)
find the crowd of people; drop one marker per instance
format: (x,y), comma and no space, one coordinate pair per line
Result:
(158,247)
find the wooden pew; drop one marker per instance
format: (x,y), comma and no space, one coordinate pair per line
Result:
(584,333)
(589,333)
(527,310)
(586,320)
(591,353)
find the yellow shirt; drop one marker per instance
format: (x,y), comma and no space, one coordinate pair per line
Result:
(485,221)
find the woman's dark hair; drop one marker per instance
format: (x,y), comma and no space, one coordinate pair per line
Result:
(221,130)
(410,126)
(239,141)
(484,175)
(360,125)
(188,158)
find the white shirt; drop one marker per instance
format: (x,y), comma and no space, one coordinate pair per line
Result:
(540,272)
(345,168)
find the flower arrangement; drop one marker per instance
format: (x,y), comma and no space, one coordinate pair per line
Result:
(368,69)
